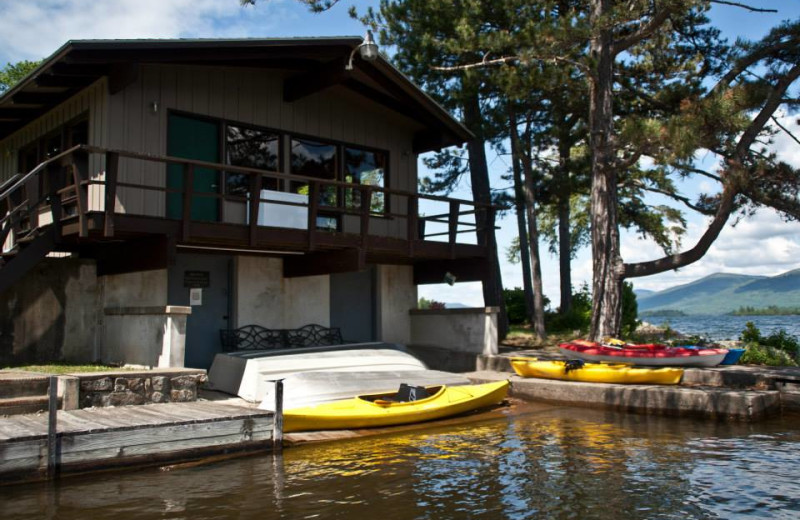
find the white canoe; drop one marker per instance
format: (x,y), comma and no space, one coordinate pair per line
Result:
(312,388)
(244,373)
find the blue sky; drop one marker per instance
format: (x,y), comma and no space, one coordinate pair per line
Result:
(763,244)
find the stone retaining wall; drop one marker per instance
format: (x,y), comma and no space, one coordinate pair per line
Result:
(132,388)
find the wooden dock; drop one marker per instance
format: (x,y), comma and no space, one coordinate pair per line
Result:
(112,438)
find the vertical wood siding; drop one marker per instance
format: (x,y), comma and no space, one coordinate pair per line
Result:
(126,121)
(91,100)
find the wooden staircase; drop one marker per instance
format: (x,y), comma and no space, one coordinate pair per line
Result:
(27,252)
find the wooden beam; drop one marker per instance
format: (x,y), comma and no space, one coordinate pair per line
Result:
(142,254)
(112,168)
(35,98)
(324,76)
(464,269)
(82,192)
(121,75)
(51,80)
(325,262)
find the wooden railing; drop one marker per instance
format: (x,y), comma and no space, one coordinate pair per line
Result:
(69,188)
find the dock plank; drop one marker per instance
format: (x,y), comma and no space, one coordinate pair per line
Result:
(131,435)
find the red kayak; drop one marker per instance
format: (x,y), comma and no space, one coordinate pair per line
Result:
(650,354)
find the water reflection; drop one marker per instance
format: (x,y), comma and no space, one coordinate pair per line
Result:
(563,463)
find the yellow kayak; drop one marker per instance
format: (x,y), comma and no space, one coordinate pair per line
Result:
(366,411)
(596,372)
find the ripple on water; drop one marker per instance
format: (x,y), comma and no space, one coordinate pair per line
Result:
(558,464)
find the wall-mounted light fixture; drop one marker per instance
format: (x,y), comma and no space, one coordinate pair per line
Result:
(153,106)
(449,278)
(368,50)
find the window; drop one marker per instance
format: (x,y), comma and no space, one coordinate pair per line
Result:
(251,148)
(365,167)
(319,160)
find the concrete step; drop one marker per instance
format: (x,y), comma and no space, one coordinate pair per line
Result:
(23,405)
(706,402)
(22,384)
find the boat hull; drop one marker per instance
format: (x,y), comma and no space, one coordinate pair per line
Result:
(359,412)
(246,373)
(597,372)
(644,355)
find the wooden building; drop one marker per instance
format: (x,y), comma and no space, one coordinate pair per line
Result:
(128,171)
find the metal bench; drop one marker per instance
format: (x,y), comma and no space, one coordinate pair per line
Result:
(256,337)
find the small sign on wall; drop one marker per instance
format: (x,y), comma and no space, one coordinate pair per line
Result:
(195,296)
(196,279)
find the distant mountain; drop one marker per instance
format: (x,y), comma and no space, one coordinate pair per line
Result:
(449,305)
(723,293)
(643,293)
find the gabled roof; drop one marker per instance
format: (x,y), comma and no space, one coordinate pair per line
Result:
(319,63)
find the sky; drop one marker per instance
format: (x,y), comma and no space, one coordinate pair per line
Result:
(760,245)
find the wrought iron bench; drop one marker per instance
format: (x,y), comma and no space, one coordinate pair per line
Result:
(256,337)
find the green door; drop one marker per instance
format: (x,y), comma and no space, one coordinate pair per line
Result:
(193,139)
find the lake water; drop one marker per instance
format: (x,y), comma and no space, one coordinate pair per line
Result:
(727,327)
(546,462)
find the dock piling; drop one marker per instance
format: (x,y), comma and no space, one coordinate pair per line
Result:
(52,425)
(277,428)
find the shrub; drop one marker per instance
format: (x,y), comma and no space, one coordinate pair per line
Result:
(630,311)
(515,305)
(778,349)
(579,316)
(425,303)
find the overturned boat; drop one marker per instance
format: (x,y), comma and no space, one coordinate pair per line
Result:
(645,355)
(246,372)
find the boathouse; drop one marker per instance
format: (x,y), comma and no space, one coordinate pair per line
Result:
(155,192)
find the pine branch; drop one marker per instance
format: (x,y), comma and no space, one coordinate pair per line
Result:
(775,120)
(680,198)
(510,60)
(744,6)
(644,31)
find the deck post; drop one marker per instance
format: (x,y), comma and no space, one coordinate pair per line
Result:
(313,207)
(188,188)
(452,226)
(412,222)
(255,205)
(52,425)
(112,169)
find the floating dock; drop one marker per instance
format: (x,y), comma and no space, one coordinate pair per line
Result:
(111,438)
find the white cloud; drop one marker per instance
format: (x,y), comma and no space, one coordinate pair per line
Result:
(34,29)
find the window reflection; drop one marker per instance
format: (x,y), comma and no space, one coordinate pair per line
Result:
(251,148)
(364,167)
(319,160)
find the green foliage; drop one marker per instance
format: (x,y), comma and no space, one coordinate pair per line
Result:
(425,303)
(770,310)
(578,318)
(630,311)
(515,305)
(756,354)
(778,349)
(12,73)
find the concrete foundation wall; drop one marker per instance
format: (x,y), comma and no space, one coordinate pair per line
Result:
(464,330)
(54,313)
(139,289)
(145,336)
(264,297)
(397,294)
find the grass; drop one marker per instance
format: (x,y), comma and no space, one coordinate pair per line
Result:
(65,368)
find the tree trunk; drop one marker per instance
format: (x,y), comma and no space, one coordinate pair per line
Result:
(485,220)
(564,239)
(606,261)
(533,237)
(519,206)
